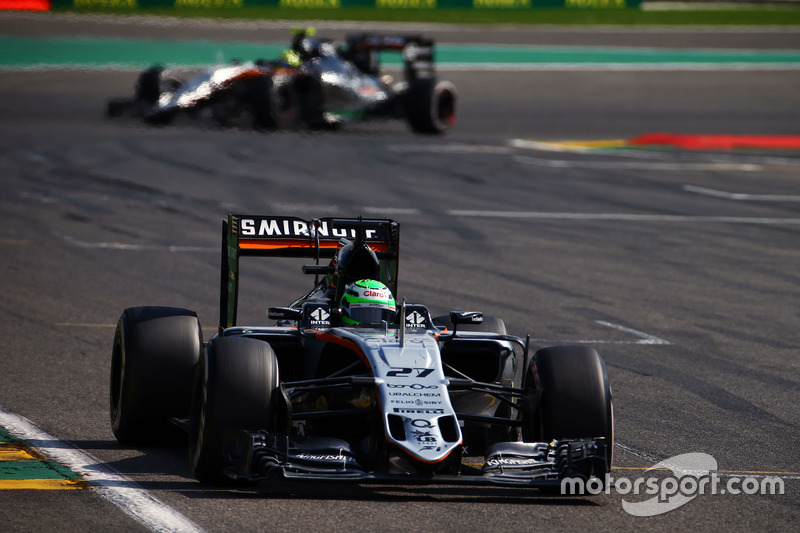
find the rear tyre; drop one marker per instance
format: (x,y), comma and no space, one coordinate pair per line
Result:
(235,386)
(575,397)
(153,357)
(310,101)
(148,85)
(261,99)
(431,106)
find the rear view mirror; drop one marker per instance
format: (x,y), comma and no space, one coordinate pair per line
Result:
(466,317)
(284,313)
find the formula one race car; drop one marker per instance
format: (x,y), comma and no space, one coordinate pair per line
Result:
(315,84)
(349,384)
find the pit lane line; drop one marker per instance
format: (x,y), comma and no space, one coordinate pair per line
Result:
(109,484)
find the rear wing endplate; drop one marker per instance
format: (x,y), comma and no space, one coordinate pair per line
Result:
(280,236)
(418,53)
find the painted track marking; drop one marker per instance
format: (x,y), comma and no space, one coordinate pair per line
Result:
(643,338)
(626,217)
(722,473)
(742,197)
(112,486)
(637,165)
(135,247)
(21,468)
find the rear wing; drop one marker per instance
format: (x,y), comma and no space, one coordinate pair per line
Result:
(417,52)
(279,236)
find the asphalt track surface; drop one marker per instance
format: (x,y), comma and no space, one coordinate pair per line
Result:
(680,267)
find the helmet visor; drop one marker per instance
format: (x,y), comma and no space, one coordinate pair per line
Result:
(370,315)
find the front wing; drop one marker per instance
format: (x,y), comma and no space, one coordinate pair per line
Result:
(262,456)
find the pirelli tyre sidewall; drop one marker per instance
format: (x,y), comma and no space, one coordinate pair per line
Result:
(260,98)
(431,106)
(154,354)
(148,85)
(234,389)
(568,396)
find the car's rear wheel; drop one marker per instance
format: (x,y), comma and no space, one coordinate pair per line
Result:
(153,357)
(261,100)
(575,399)
(234,389)
(431,106)
(148,85)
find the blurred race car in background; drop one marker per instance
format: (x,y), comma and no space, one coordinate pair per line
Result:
(315,84)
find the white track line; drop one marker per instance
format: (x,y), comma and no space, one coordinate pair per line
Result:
(721,473)
(636,165)
(741,196)
(644,338)
(112,486)
(620,217)
(391,210)
(134,247)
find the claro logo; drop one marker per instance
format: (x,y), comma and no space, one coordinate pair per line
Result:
(369,293)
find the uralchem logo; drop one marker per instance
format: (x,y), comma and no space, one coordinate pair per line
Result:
(693,474)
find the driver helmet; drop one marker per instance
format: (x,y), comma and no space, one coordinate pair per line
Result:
(367,302)
(291,58)
(305,44)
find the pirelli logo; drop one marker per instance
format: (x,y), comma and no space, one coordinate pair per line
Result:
(419,411)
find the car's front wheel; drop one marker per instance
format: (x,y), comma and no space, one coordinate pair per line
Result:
(574,397)
(234,389)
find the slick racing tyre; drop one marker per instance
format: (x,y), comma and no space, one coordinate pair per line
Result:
(248,103)
(153,357)
(148,85)
(260,97)
(431,106)
(575,397)
(234,389)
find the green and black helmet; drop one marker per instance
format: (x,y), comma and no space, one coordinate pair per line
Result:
(367,303)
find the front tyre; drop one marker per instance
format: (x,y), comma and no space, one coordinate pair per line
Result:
(153,357)
(575,399)
(431,106)
(234,389)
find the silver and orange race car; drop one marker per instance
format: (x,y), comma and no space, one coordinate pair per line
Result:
(412,397)
(315,84)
